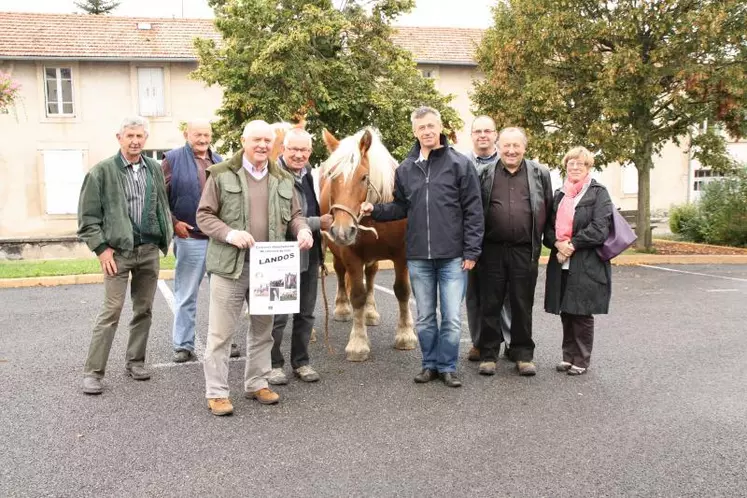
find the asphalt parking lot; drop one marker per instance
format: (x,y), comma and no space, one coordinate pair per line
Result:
(662,411)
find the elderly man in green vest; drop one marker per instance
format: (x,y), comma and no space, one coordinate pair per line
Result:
(246,199)
(123,216)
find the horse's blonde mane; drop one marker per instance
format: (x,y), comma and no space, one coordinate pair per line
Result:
(346,158)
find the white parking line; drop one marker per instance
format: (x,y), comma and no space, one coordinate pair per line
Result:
(169,297)
(695,273)
(389,291)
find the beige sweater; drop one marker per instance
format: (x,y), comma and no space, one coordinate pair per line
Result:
(214,227)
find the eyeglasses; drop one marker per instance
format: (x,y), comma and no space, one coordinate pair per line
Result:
(483,132)
(298,150)
(576,164)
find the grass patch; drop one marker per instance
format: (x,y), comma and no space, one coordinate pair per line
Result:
(86,266)
(60,267)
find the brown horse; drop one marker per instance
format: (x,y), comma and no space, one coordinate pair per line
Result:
(360,169)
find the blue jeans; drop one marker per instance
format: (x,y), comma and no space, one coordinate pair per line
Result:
(441,280)
(190,268)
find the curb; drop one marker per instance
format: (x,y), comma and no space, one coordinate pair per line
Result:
(623,260)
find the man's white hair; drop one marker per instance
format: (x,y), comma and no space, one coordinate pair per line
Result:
(134,122)
(297,133)
(514,129)
(253,125)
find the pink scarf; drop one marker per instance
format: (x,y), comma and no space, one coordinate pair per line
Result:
(567,208)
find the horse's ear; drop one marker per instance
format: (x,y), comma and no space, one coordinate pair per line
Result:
(330,141)
(277,145)
(365,142)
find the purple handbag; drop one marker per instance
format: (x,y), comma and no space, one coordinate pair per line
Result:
(620,238)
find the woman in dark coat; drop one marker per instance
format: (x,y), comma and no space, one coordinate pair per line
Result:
(578,283)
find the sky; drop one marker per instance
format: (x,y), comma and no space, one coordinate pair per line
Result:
(451,13)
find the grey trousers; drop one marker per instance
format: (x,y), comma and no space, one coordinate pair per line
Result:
(143,264)
(473,310)
(227,297)
(303,321)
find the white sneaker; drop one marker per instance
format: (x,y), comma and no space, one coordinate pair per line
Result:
(277,377)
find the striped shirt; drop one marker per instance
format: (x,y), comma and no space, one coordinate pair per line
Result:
(134,186)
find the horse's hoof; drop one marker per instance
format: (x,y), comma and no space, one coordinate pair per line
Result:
(405,343)
(357,355)
(373,319)
(342,317)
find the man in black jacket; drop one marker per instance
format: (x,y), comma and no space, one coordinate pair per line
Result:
(436,188)
(484,154)
(517,198)
(295,160)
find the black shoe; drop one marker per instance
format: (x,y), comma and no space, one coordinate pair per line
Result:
(450,379)
(426,375)
(182,355)
(235,352)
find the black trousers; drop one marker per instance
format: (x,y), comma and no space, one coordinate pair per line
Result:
(473,310)
(303,321)
(506,270)
(578,333)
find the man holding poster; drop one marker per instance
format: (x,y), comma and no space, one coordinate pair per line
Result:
(246,199)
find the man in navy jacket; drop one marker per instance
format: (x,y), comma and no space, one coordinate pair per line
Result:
(184,171)
(437,190)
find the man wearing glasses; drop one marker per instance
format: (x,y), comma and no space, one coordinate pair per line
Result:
(484,154)
(295,160)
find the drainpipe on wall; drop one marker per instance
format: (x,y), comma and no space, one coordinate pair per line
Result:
(690,174)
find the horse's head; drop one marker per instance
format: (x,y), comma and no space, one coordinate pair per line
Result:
(359,168)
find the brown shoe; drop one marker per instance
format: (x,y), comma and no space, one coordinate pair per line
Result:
(526,368)
(474,354)
(264,396)
(220,406)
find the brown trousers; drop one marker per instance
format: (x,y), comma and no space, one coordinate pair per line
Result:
(578,338)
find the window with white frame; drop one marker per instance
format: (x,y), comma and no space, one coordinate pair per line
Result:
(157,154)
(151,91)
(629,180)
(63,177)
(58,91)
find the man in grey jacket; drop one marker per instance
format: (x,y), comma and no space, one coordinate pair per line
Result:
(295,160)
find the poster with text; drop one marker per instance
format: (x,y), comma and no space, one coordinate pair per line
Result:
(274,278)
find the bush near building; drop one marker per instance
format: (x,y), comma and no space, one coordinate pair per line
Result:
(719,217)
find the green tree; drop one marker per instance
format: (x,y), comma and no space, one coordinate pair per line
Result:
(337,69)
(97,6)
(621,78)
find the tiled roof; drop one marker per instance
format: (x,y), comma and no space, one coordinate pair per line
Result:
(84,36)
(440,45)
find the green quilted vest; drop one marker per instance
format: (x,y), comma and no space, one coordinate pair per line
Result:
(225,259)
